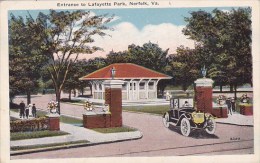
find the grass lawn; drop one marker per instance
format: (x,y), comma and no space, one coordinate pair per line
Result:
(35,134)
(160,109)
(115,129)
(70,120)
(16,148)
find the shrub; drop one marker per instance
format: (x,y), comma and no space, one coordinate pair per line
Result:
(29,125)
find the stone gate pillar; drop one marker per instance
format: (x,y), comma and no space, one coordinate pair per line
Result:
(203,94)
(113,97)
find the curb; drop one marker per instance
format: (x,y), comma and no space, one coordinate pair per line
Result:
(21,152)
(226,123)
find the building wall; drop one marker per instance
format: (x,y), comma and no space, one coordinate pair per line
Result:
(132,89)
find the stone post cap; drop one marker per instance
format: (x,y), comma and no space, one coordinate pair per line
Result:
(113,83)
(53,115)
(204,82)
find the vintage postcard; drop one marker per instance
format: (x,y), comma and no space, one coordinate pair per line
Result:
(129,81)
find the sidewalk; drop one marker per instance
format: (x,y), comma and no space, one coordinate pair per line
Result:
(76,134)
(237,119)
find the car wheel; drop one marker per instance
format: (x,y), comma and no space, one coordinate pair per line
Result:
(185,127)
(211,126)
(166,120)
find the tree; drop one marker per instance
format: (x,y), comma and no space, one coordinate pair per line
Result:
(78,69)
(66,36)
(226,36)
(117,57)
(25,58)
(150,55)
(184,66)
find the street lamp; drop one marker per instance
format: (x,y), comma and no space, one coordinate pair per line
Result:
(113,73)
(204,72)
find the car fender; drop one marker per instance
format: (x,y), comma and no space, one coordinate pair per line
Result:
(183,116)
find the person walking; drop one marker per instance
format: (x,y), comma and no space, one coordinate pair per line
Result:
(34,111)
(233,104)
(228,102)
(22,108)
(27,111)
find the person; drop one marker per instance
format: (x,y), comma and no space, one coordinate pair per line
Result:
(228,102)
(22,107)
(34,111)
(233,104)
(186,104)
(27,112)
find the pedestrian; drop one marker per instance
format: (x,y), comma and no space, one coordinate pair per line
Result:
(27,111)
(22,108)
(34,111)
(228,102)
(233,104)
(186,104)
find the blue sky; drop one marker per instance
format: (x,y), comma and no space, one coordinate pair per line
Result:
(139,17)
(138,26)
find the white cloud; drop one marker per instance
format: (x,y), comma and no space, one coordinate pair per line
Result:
(166,35)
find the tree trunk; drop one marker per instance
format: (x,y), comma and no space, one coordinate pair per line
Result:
(28,97)
(235,88)
(91,90)
(58,93)
(70,94)
(231,87)
(82,91)
(75,92)
(220,87)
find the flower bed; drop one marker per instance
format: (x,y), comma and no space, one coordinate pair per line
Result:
(37,124)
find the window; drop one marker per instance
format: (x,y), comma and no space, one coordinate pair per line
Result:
(151,85)
(100,86)
(124,86)
(130,86)
(142,86)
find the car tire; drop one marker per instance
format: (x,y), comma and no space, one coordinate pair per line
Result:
(185,127)
(166,119)
(211,126)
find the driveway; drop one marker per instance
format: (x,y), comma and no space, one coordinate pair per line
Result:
(157,140)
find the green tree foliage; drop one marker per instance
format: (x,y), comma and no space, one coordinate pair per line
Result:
(25,58)
(184,65)
(149,55)
(117,57)
(66,35)
(226,37)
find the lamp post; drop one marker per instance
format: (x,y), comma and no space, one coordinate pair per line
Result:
(113,72)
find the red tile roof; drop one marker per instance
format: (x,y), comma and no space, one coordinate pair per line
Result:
(125,71)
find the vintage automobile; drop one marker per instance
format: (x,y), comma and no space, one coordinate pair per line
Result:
(182,114)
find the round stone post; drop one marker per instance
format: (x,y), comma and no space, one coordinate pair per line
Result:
(203,95)
(113,97)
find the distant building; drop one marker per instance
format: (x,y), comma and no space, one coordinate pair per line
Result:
(140,82)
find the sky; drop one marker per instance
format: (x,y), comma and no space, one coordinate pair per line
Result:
(162,26)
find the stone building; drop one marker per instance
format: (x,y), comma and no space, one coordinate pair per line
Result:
(140,83)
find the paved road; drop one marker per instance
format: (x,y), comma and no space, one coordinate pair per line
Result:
(160,141)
